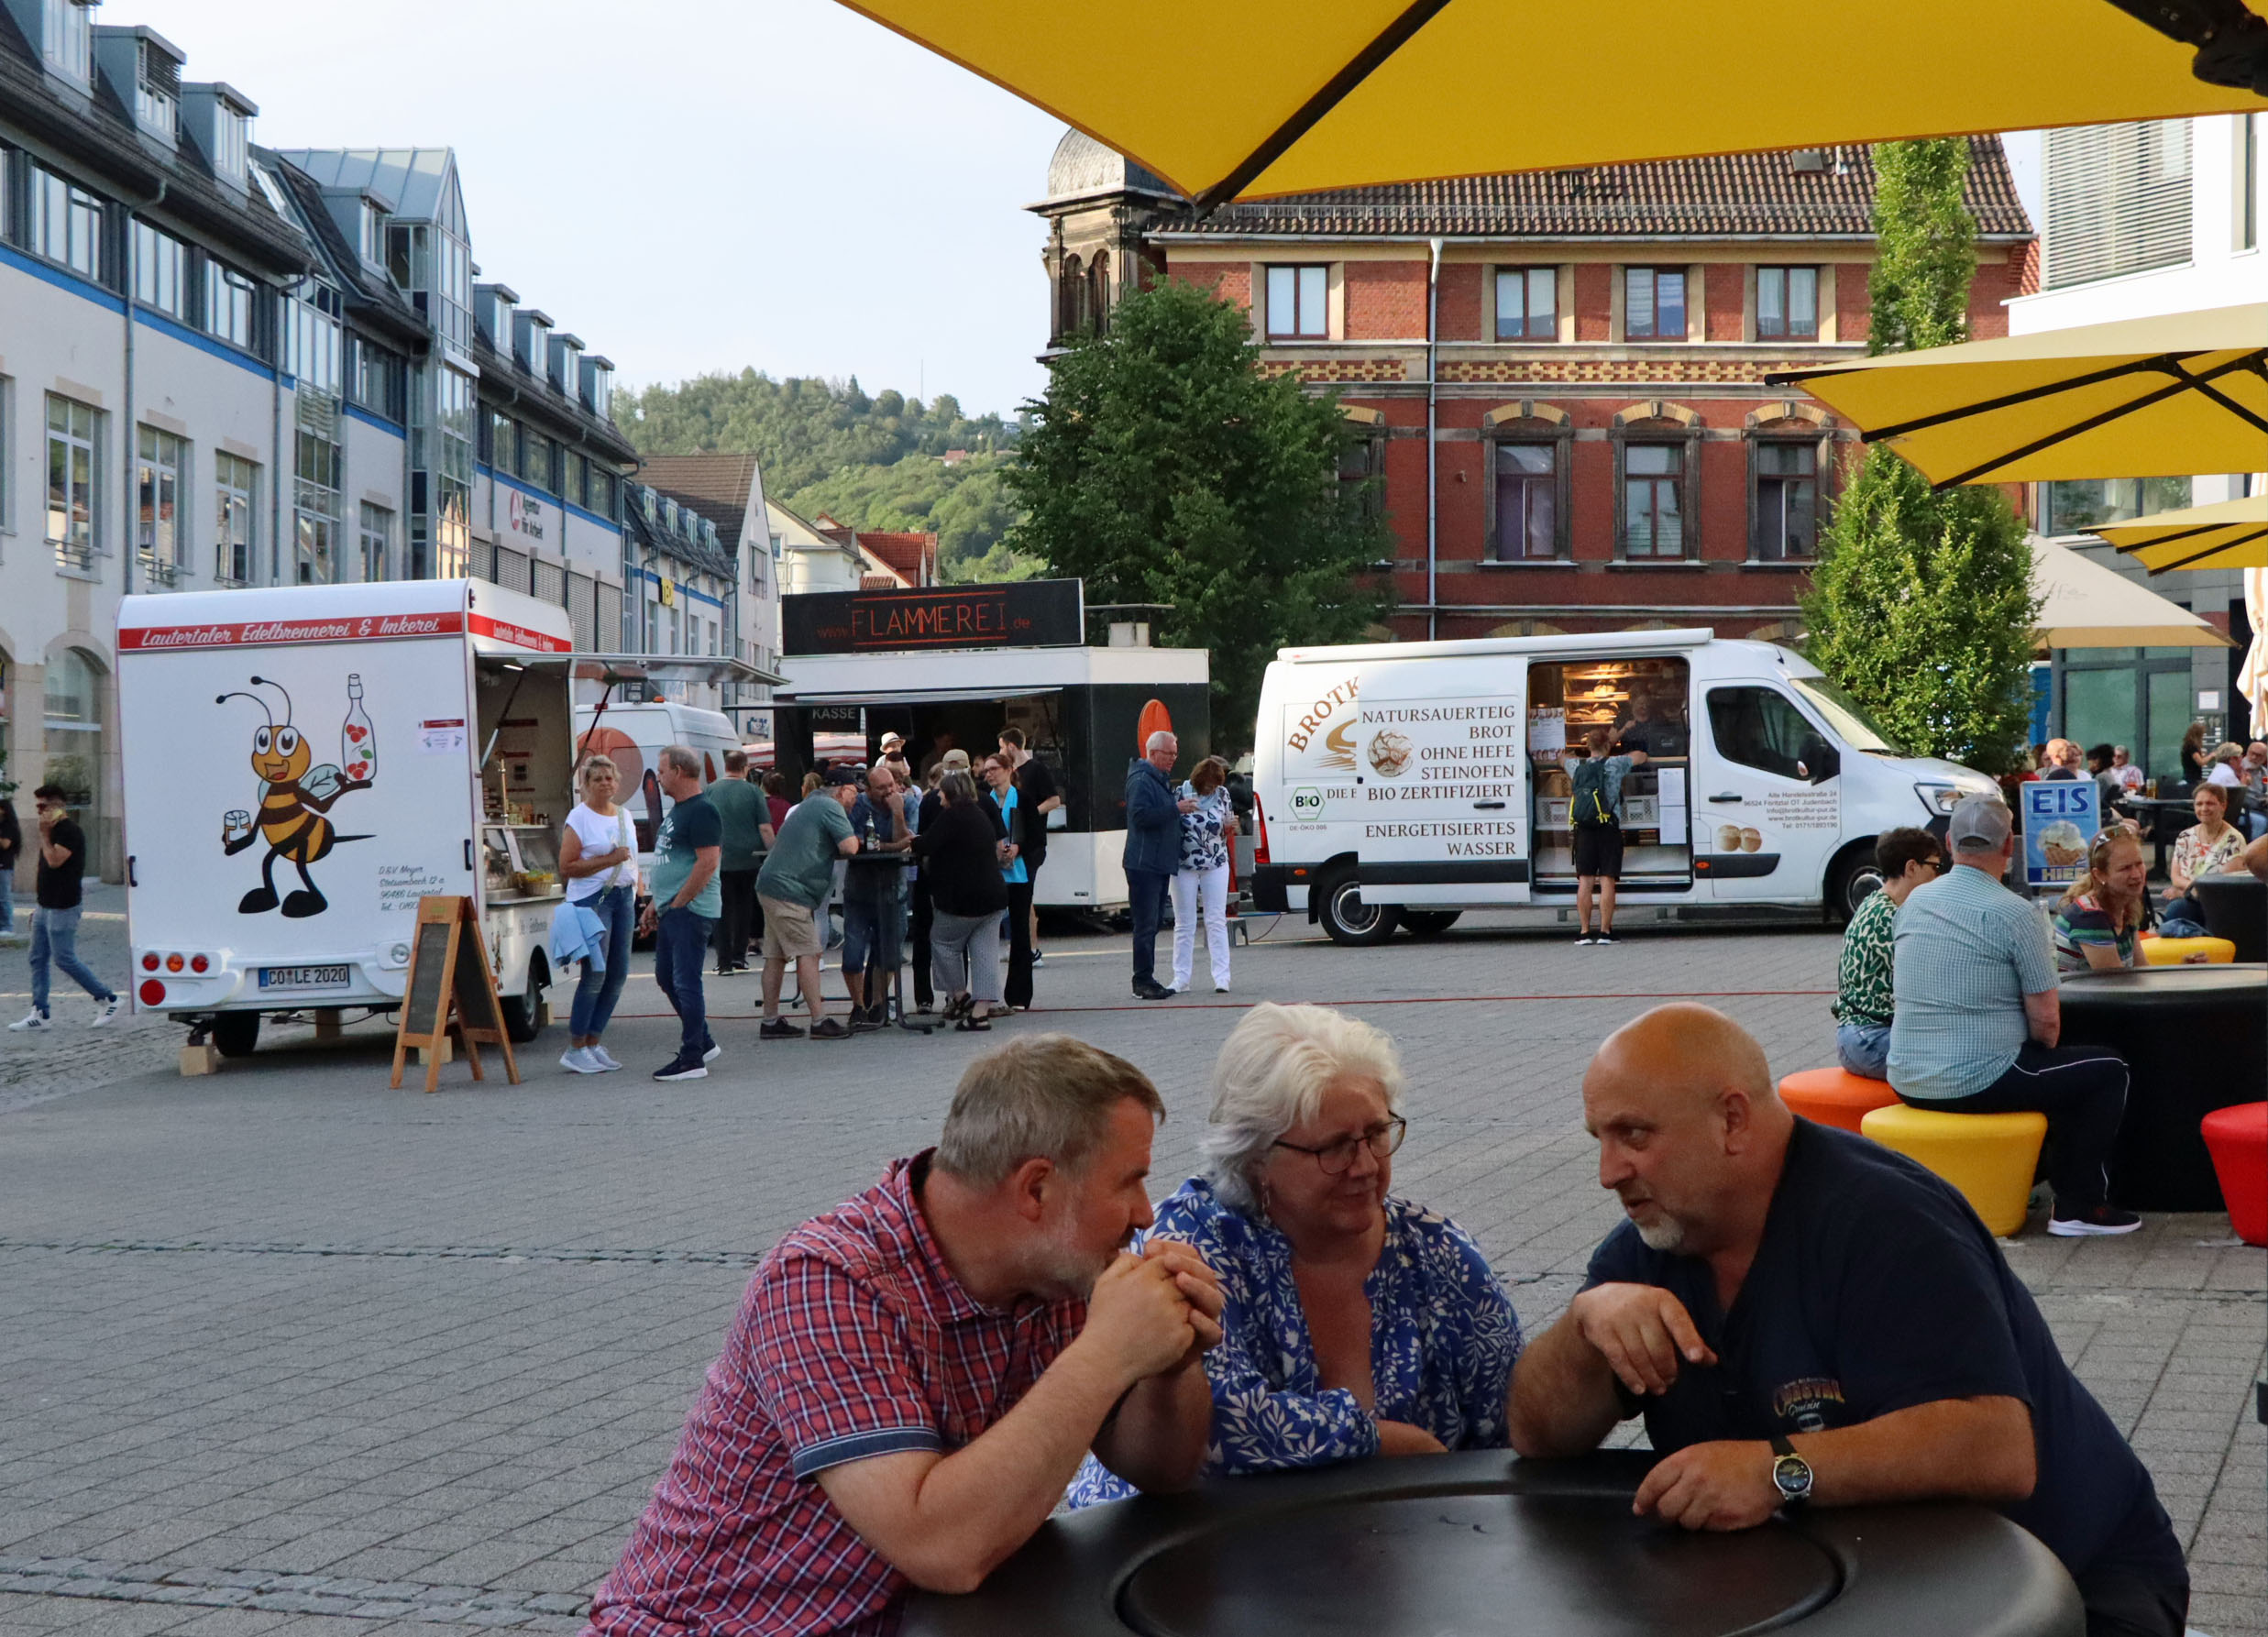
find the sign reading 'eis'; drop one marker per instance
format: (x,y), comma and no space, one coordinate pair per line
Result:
(1019,614)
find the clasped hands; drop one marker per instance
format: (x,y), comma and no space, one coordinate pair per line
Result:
(1156,1312)
(1644,1336)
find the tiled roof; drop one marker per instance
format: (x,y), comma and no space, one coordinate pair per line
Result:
(1732,194)
(716,486)
(913,555)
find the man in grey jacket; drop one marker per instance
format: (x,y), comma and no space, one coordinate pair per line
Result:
(1153,852)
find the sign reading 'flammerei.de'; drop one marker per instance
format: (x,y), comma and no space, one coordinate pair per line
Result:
(1016,614)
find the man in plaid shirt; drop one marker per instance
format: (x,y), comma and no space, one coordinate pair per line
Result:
(915,1376)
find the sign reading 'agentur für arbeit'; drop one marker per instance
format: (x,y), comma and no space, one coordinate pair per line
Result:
(1019,614)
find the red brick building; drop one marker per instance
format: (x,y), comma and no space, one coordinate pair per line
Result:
(1587,350)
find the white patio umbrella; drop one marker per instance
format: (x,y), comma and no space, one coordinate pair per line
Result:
(2086,604)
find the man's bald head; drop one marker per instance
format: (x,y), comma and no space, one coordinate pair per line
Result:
(1690,1128)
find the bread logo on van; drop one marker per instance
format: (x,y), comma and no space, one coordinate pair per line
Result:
(1339,739)
(1391,753)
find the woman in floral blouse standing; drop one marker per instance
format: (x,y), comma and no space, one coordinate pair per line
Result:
(1203,878)
(1357,1323)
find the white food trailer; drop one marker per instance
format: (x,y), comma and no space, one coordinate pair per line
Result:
(304,764)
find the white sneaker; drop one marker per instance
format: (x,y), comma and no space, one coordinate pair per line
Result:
(105,1010)
(32,1020)
(577,1059)
(604,1058)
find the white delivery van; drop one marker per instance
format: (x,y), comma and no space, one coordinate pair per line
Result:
(633,736)
(1402,783)
(304,764)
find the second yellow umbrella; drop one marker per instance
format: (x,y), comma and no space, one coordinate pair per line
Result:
(2231,534)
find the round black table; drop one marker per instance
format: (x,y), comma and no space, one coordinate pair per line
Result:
(2236,908)
(2196,1039)
(1481,1543)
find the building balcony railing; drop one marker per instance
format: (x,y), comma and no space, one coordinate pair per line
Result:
(73,556)
(158,573)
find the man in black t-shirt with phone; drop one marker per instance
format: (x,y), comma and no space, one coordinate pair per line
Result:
(55,921)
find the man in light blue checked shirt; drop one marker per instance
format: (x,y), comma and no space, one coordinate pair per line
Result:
(1976,1021)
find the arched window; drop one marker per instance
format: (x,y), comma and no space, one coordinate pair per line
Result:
(1098,294)
(1071,296)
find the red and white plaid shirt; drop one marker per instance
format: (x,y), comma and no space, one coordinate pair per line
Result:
(855,1340)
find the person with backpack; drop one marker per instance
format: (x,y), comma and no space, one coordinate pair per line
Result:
(1595,814)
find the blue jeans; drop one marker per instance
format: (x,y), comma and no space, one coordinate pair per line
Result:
(679,940)
(596,992)
(1145,890)
(1863,1049)
(8,899)
(55,936)
(2177,923)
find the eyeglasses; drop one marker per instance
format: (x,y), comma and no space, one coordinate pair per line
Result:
(1335,1158)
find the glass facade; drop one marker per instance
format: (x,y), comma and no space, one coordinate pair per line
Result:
(2073,508)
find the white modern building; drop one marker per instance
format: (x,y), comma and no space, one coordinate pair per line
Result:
(2142,220)
(226,365)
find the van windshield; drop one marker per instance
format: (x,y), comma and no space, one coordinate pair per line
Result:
(1846,715)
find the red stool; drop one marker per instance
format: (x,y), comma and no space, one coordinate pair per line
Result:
(1834,1096)
(2238,1139)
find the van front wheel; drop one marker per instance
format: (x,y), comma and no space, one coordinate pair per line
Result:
(1347,919)
(1850,883)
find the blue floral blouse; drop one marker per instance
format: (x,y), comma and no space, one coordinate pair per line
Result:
(1443,1341)
(1203,845)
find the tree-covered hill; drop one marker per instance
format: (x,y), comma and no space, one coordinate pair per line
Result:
(873,462)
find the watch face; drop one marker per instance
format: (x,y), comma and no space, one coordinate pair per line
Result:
(1792,1474)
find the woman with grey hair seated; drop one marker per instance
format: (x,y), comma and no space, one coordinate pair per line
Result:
(1357,1323)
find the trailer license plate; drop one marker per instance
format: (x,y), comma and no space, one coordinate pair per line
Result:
(303,977)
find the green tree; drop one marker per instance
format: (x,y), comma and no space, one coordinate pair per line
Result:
(967,504)
(1922,604)
(1164,465)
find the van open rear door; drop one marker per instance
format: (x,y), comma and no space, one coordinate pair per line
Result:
(1440,760)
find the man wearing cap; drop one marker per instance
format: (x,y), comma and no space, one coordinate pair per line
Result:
(1976,1023)
(797,877)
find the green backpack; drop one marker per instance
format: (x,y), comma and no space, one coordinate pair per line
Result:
(1591,808)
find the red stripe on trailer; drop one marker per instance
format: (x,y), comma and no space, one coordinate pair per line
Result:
(519,636)
(269,633)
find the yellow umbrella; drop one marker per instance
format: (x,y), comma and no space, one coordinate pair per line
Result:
(2084,605)
(2141,397)
(1229,98)
(2232,535)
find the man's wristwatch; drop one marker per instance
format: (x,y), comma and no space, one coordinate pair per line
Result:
(1791,1474)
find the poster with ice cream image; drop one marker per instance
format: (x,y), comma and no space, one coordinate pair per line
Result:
(2061,819)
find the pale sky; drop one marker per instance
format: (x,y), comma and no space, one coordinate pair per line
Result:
(700,186)
(692,187)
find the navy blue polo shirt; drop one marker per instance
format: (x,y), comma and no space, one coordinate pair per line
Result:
(1876,1289)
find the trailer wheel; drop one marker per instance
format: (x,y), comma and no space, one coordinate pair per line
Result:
(1429,923)
(1347,919)
(526,1013)
(236,1033)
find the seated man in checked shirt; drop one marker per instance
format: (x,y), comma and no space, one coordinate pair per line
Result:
(915,1375)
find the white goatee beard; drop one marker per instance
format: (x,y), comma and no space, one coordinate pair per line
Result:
(1667,1235)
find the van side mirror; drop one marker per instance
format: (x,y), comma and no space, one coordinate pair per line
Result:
(1822,761)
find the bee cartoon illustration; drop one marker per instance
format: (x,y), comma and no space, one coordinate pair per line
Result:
(292,802)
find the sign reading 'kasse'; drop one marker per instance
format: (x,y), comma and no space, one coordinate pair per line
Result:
(1018,614)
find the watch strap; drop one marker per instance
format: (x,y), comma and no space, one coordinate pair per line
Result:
(1780,1447)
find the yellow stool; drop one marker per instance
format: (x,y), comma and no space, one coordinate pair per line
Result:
(1988,1157)
(2175,951)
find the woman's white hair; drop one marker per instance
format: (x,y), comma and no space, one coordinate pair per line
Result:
(1270,1077)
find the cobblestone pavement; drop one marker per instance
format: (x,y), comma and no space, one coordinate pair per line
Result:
(282,1350)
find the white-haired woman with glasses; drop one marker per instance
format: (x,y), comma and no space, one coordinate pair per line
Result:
(1357,1323)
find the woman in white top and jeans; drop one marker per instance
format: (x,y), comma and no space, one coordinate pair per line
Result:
(598,858)
(1203,878)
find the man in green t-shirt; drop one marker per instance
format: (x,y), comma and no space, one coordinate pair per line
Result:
(684,905)
(747,830)
(798,877)
(1907,858)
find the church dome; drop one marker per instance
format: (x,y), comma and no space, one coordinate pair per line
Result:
(1084,166)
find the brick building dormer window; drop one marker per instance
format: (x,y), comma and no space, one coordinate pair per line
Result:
(1654,303)
(1527,307)
(1787,303)
(1299,303)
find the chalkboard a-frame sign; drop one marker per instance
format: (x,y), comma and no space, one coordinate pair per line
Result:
(451,990)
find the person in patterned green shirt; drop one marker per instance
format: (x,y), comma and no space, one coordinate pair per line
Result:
(1907,858)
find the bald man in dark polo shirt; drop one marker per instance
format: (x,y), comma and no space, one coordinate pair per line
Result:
(1804,1318)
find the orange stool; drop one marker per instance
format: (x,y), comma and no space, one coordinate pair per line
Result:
(2238,1139)
(1834,1096)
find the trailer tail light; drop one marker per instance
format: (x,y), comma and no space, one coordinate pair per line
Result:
(152,993)
(1259,833)
(175,963)
(199,963)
